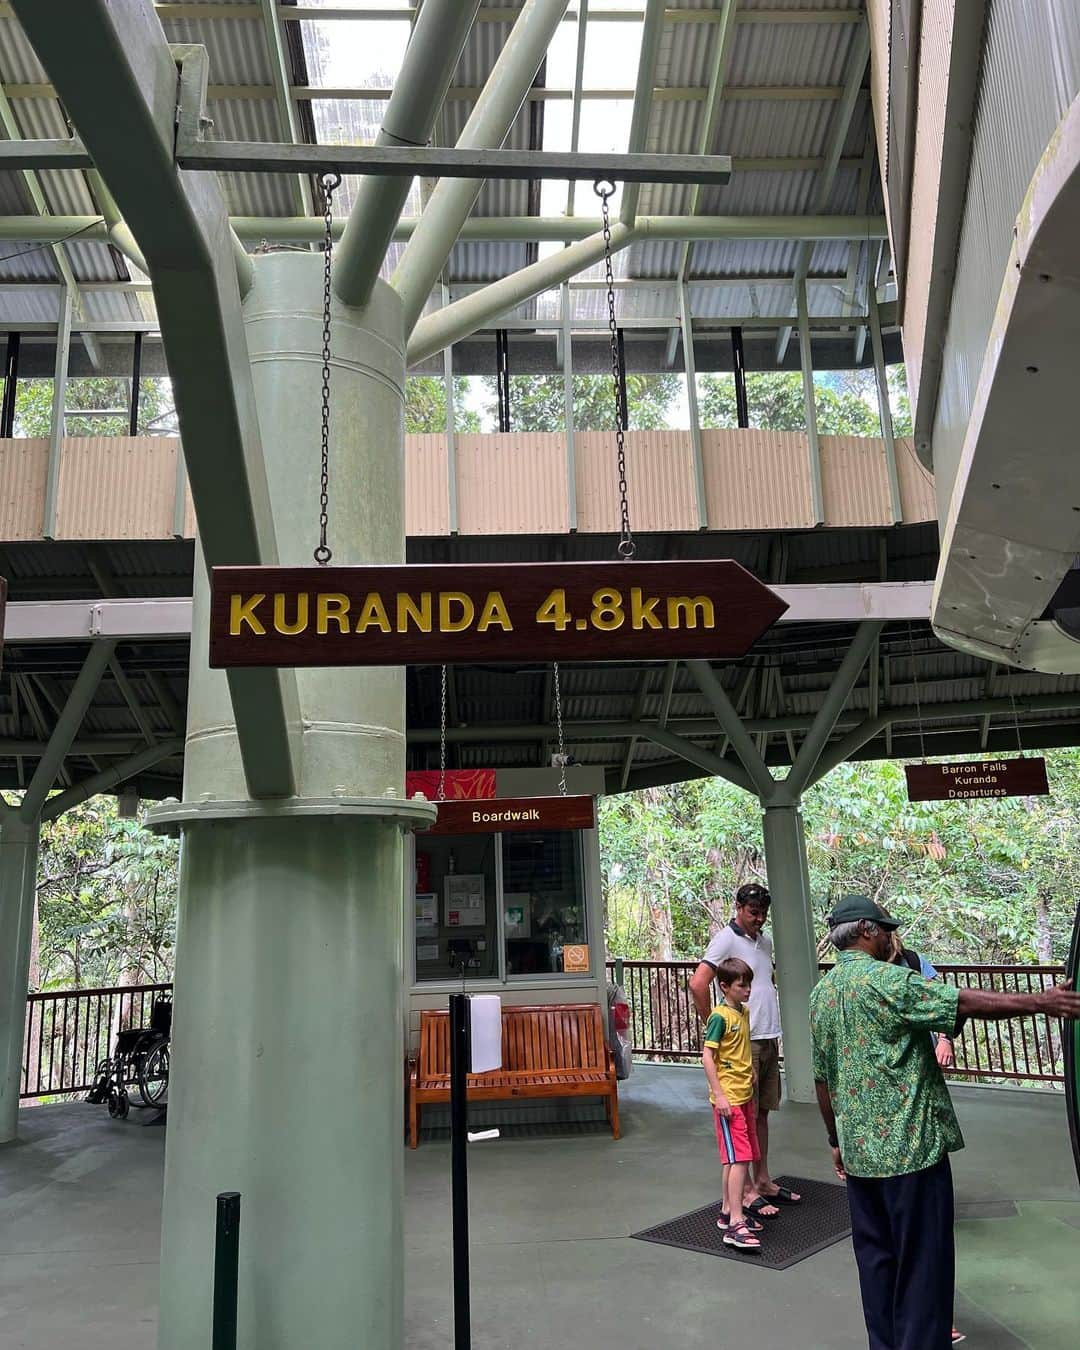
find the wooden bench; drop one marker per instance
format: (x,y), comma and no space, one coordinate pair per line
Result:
(554,1050)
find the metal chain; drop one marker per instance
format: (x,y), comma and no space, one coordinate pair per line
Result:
(605,189)
(329,182)
(559,728)
(442,739)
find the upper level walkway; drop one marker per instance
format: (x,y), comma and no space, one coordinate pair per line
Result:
(553,1265)
(528,483)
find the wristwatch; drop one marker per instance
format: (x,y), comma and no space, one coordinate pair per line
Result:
(833,1141)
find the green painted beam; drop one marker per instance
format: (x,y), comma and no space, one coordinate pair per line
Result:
(409,161)
(494,229)
(180,225)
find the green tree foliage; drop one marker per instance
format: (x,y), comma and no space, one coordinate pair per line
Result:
(985,881)
(775,402)
(425,405)
(106,901)
(537,402)
(157,414)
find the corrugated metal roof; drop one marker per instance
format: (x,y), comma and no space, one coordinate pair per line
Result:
(806,55)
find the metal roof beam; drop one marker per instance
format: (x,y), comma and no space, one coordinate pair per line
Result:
(288,120)
(725,34)
(841,124)
(651,32)
(407,161)
(435,47)
(180,224)
(768,93)
(490,121)
(529,229)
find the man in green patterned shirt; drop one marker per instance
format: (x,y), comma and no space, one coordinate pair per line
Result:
(889,1120)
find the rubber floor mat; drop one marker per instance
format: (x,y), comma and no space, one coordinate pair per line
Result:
(801,1230)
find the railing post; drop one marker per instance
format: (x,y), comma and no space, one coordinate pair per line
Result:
(618,970)
(226,1267)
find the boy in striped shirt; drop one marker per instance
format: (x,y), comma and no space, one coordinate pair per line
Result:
(729,1070)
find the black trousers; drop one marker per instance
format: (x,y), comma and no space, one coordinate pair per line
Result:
(902,1232)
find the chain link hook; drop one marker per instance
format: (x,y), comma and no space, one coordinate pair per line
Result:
(627,548)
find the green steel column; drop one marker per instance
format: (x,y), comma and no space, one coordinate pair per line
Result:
(18,877)
(793,928)
(287,1035)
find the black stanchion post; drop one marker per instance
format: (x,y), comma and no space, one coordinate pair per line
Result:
(226,1262)
(459,1166)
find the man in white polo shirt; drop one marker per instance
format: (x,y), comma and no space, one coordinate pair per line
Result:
(744,937)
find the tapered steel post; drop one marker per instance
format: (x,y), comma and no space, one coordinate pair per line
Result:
(18,876)
(434,49)
(793,930)
(487,128)
(288,967)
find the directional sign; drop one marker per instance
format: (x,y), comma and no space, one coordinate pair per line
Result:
(597,611)
(1023,777)
(504,815)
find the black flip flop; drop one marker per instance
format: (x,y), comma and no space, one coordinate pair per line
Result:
(759,1202)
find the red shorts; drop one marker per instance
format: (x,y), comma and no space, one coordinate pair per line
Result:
(736,1135)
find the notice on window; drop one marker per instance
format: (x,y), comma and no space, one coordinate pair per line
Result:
(463,900)
(427,914)
(575,958)
(427,951)
(516,908)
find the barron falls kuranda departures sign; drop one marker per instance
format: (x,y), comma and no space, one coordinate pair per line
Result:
(465,612)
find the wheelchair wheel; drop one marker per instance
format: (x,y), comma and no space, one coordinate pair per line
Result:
(154,1074)
(119,1106)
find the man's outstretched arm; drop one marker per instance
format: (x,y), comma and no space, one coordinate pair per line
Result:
(986,1006)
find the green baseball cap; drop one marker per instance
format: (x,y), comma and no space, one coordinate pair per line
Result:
(851,908)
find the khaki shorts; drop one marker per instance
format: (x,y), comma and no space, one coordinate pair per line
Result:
(766,1057)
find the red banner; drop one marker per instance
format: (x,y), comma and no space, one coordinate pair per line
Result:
(460,783)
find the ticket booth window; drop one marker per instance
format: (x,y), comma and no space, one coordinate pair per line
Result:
(543,900)
(495,907)
(456,914)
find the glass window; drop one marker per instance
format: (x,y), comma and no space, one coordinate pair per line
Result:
(543,900)
(456,907)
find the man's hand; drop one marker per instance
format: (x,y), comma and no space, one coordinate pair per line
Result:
(1061,1001)
(944,1052)
(723,1106)
(838,1164)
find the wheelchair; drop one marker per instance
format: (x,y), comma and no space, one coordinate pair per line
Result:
(140,1060)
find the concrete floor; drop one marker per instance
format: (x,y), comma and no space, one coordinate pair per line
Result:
(553,1267)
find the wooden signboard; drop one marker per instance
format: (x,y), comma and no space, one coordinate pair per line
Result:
(464,612)
(1023,777)
(503,815)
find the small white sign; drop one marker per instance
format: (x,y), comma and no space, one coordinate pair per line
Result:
(485,1032)
(427,951)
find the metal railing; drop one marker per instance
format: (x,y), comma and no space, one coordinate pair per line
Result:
(69,1031)
(665,1026)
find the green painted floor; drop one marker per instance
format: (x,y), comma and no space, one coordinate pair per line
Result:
(553,1265)
(1024,1272)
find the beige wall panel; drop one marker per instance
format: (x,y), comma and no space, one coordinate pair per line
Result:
(427,504)
(24,466)
(757,480)
(917,495)
(511,483)
(659,478)
(854,480)
(189,512)
(116,487)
